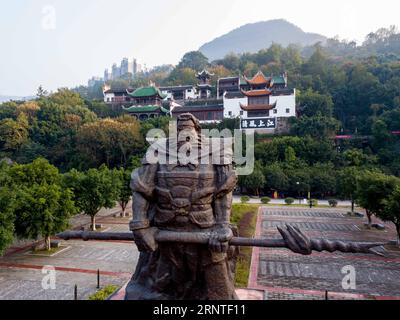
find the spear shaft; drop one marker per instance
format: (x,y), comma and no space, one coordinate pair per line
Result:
(204,237)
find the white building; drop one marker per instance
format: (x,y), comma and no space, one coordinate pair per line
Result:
(232,101)
(285,101)
(180,92)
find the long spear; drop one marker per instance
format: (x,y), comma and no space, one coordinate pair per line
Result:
(292,238)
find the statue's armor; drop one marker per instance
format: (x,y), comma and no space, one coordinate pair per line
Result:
(184,198)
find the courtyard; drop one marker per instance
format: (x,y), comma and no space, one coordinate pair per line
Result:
(275,273)
(281,274)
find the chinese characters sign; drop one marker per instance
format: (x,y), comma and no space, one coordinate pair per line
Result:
(259,123)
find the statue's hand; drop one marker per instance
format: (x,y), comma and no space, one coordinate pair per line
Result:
(145,239)
(295,240)
(219,239)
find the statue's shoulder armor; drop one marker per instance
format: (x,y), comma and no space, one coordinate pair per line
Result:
(143,179)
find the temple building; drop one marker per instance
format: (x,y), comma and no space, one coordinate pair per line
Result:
(147,103)
(230,84)
(212,113)
(261,97)
(204,87)
(180,93)
(116,96)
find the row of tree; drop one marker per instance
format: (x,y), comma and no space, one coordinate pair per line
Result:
(36,200)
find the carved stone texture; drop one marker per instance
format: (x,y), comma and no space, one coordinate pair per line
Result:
(193,196)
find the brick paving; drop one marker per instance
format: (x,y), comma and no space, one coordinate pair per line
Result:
(21,272)
(288,276)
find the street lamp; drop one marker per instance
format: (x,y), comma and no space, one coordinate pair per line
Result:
(298,190)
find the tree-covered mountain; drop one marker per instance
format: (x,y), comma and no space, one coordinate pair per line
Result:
(256,36)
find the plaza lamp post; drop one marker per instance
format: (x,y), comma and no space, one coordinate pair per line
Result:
(298,191)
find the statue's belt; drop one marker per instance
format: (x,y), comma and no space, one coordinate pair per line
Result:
(203,219)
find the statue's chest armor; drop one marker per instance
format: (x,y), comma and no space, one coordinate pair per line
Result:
(185,177)
(186,193)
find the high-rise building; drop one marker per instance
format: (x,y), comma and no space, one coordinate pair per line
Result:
(116,72)
(124,66)
(107,76)
(94,81)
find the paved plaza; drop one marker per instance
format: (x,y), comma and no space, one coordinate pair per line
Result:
(21,272)
(275,273)
(281,274)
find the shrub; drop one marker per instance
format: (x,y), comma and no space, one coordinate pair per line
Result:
(314,202)
(245,199)
(104,293)
(333,203)
(265,200)
(289,201)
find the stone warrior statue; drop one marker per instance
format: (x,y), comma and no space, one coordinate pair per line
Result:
(181,224)
(194,197)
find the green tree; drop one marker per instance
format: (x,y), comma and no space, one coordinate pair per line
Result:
(313,103)
(123,177)
(7,217)
(275,177)
(255,181)
(347,183)
(318,127)
(373,189)
(391,211)
(194,60)
(14,133)
(42,206)
(93,190)
(109,141)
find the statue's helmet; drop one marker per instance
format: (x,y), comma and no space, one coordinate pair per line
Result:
(188,121)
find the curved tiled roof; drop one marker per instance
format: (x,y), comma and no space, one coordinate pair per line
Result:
(146,109)
(147,92)
(257,93)
(257,107)
(258,79)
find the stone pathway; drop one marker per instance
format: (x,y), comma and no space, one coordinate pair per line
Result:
(282,274)
(21,272)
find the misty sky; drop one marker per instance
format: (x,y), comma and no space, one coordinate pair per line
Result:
(60,43)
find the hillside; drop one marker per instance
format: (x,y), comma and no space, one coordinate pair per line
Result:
(257,36)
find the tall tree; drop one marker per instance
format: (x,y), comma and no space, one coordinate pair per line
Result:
(93,190)
(194,60)
(7,201)
(347,183)
(373,188)
(123,177)
(42,206)
(391,211)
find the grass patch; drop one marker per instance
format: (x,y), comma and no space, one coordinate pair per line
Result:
(44,252)
(104,293)
(245,217)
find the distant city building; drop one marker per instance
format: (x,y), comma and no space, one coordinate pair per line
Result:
(115,72)
(95,81)
(107,75)
(125,67)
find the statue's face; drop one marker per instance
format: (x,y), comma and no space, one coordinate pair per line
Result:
(187,135)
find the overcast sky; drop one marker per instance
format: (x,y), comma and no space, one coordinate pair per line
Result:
(64,42)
